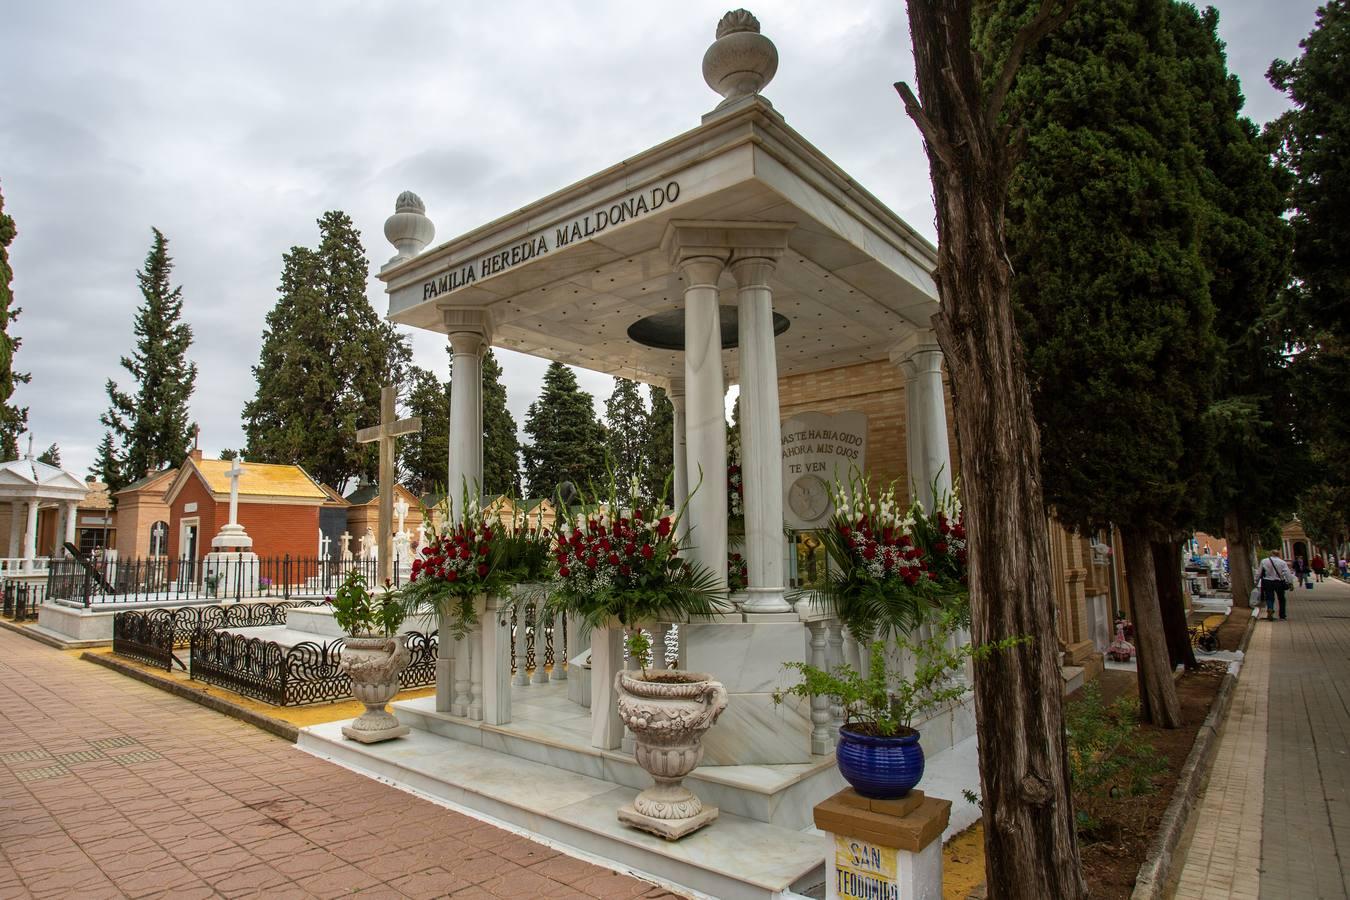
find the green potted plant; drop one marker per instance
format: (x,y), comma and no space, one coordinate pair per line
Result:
(619,566)
(373,656)
(878,750)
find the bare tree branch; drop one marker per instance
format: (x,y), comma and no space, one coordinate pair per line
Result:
(1047,19)
(929,131)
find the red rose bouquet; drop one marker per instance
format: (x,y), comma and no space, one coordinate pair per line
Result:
(454,568)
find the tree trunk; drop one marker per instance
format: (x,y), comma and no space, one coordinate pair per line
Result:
(1172,602)
(1240,562)
(1031,850)
(1158,702)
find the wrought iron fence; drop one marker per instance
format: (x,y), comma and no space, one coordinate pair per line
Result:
(292,676)
(151,636)
(21,599)
(165,580)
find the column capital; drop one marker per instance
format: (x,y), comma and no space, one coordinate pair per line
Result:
(753,271)
(462,320)
(685,239)
(918,352)
(675,387)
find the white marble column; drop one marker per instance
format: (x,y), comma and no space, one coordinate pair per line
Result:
(469,333)
(705,409)
(15,516)
(679,453)
(761,444)
(72,512)
(30,534)
(929,456)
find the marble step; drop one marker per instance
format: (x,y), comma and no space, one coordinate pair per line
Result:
(781,795)
(733,858)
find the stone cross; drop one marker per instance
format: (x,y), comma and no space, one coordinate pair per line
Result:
(324,541)
(344,546)
(386,434)
(234,472)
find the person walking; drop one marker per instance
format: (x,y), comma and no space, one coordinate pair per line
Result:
(1276,578)
(1319,567)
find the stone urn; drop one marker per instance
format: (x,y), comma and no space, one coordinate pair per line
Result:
(668,713)
(741,61)
(374,664)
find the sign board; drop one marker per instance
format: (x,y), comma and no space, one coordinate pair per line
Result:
(862,870)
(190,507)
(818,450)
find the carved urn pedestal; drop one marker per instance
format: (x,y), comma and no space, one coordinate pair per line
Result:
(668,713)
(374,665)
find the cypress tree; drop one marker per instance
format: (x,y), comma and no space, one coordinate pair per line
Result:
(660,441)
(1313,141)
(501,443)
(51,456)
(13,419)
(107,468)
(567,443)
(324,357)
(150,423)
(626,431)
(1104,230)
(423,455)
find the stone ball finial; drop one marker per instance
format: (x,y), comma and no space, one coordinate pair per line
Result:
(741,62)
(408,229)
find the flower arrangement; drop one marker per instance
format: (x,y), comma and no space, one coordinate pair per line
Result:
(357,612)
(455,567)
(941,535)
(738,575)
(883,580)
(619,562)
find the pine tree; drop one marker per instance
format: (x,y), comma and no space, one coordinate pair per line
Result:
(501,443)
(423,455)
(1314,142)
(150,423)
(567,443)
(107,467)
(1104,230)
(626,431)
(660,441)
(325,355)
(13,419)
(51,456)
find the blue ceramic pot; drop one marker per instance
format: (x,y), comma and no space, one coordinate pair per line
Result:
(882,768)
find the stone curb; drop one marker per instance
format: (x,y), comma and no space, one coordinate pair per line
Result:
(1152,881)
(284,730)
(33,635)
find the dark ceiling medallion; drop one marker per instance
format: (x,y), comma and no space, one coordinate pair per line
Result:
(665,330)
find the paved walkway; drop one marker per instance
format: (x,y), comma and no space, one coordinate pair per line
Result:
(111,788)
(1275,820)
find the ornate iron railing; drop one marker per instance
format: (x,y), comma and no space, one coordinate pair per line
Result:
(165,580)
(21,600)
(151,635)
(293,676)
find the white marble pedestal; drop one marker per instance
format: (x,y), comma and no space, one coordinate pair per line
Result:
(236,572)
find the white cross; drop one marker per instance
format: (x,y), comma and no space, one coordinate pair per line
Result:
(234,472)
(324,541)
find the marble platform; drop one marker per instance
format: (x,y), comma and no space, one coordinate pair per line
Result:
(70,621)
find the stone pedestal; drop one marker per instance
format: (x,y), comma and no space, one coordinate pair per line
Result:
(236,572)
(496,633)
(606,660)
(883,848)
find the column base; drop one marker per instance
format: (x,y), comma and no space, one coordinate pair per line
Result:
(765,600)
(670,829)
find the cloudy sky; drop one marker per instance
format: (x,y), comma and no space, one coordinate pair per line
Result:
(232,126)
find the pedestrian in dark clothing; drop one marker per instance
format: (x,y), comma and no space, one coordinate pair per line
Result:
(1275,579)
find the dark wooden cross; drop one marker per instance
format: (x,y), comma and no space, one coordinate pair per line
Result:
(387,433)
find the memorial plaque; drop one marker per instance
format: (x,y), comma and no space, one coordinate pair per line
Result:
(819,449)
(863,870)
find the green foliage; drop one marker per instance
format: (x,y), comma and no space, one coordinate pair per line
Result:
(325,356)
(660,446)
(639,646)
(13,419)
(1324,511)
(107,468)
(150,424)
(423,456)
(567,443)
(357,611)
(1314,143)
(525,548)
(1108,759)
(51,456)
(626,430)
(879,703)
(501,444)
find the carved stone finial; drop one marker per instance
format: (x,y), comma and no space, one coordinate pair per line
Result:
(737,20)
(408,229)
(741,61)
